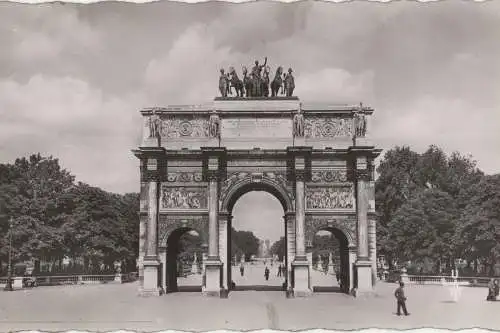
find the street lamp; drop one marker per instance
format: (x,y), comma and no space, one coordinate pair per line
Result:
(8,286)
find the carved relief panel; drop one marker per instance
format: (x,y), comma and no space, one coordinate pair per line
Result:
(347,225)
(183,197)
(329,176)
(184,177)
(328,127)
(184,127)
(330,197)
(167,224)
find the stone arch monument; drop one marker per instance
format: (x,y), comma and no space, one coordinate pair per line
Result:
(316,159)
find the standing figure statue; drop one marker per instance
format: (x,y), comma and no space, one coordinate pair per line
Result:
(359,122)
(257,78)
(236,83)
(214,125)
(277,82)
(298,124)
(154,123)
(247,83)
(289,83)
(223,83)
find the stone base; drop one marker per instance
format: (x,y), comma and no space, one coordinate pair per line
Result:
(17,283)
(149,292)
(364,285)
(150,283)
(213,273)
(301,278)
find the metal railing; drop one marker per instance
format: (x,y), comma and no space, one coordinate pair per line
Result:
(475,281)
(57,280)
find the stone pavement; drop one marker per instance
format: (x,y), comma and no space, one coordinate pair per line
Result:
(113,307)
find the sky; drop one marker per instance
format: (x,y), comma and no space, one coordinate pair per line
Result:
(73,77)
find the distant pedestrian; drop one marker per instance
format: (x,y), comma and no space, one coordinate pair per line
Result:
(279,270)
(493,290)
(266,273)
(242,269)
(401,299)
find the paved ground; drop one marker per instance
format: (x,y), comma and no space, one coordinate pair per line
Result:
(113,307)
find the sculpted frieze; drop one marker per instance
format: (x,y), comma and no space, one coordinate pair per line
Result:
(183,197)
(168,224)
(330,197)
(328,176)
(184,177)
(327,127)
(184,127)
(346,225)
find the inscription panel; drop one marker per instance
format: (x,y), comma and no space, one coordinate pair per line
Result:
(183,197)
(330,197)
(256,128)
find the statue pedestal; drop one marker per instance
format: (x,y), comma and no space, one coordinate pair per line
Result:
(301,278)
(150,283)
(213,278)
(364,279)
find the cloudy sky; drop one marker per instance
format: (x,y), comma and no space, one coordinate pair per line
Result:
(73,77)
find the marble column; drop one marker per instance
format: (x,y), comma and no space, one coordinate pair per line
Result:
(163,259)
(151,262)
(213,216)
(290,247)
(300,264)
(364,283)
(223,247)
(300,220)
(213,265)
(372,248)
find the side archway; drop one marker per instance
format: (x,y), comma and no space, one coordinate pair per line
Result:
(345,241)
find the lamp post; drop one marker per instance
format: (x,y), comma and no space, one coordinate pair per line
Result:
(8,286)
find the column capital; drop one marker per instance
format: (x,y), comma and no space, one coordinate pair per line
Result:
(214,163)
(153,163)
(299,163)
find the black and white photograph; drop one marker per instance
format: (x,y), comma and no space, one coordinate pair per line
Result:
(263,165)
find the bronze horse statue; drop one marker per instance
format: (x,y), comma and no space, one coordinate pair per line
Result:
(236,83)
(265,82)
(247,83)
(277,82)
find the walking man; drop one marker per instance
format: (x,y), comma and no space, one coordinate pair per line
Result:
(242,269)
(401,299)
(279,270)
(266,273)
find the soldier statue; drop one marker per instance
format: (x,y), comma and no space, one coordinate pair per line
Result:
(298,124)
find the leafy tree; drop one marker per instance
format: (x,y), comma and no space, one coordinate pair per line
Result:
(245,243)
(479,231)
(279,248)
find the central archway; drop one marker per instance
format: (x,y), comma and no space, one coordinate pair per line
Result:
(233,194)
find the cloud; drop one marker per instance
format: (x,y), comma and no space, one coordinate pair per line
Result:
(90,132)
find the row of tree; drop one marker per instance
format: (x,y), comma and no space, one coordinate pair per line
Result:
(434,209)
(54,218)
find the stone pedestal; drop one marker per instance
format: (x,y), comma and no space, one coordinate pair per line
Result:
(150,284)
(17,283)
(364,279)
(118,278)
(301,278)
(213,278)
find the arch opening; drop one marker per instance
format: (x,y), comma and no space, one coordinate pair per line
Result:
(183,264)
(330,261)
(256,211)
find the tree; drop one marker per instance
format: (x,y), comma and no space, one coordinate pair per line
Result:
(424,227)
(246,242)
(479,231)
(279,248)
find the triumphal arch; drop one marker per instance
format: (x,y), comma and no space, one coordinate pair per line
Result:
(197,160)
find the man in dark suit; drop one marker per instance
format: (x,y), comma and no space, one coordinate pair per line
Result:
(401,299)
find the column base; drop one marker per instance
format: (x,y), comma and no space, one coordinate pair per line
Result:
(213,271)
(364,285)
(150,283)
(301,286)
